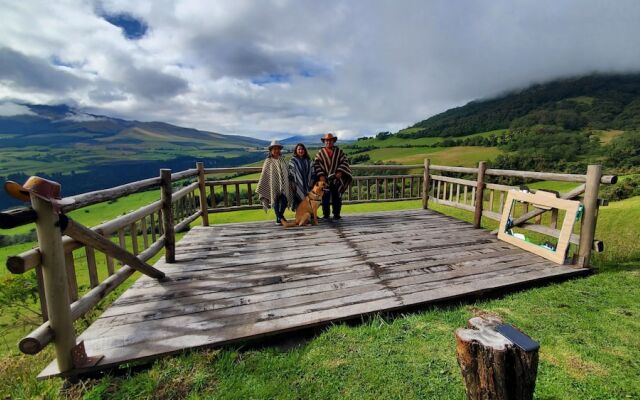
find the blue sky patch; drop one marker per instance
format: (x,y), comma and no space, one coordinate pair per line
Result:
(271,78)
(132,28)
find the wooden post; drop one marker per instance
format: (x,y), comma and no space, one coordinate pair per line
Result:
(56,287)
(41,294)
(477,217)
(426,183)
(167,216)
(91,266)
(204,207)
(493,366)
(590,214)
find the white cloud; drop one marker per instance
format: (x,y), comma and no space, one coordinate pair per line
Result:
(10,109)
(271,68)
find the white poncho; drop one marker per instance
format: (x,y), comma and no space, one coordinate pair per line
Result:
(274,180)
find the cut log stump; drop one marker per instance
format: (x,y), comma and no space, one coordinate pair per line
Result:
(493,366)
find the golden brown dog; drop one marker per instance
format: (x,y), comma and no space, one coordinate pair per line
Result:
(308,207)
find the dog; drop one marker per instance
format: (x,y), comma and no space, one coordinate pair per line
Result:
(307,211)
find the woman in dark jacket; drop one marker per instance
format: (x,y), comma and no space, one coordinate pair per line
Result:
(301,174)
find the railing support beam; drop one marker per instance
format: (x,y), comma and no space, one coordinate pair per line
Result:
(477,217)
(590,215)
(204,207)
(425,184)
(55,281)
(166,194)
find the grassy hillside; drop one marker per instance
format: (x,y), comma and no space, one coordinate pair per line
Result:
(404,139)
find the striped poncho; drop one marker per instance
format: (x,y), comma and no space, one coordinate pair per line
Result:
(326,166)
(274,180)
(301,175)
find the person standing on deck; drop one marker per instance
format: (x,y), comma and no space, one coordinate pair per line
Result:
(274,189)
(331,165)
(301,174)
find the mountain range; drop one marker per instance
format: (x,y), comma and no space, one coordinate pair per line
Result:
(54,125)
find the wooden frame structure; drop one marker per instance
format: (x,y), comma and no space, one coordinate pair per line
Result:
(145,232)
(543,201)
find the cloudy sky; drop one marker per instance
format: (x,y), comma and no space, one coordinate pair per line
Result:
(281,67)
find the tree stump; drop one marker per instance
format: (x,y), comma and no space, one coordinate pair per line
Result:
(493,366)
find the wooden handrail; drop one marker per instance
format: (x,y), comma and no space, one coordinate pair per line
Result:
(99,196)
(445,168)
(550,176)
(183,192)
(454,180)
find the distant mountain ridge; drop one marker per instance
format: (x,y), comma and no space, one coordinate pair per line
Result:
(601,101)
(86,152)
(308,140)
(45,122)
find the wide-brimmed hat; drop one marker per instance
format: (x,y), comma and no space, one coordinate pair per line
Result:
(275,143)
(328,136)
(40,187)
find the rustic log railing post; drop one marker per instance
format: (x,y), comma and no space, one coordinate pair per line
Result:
(477,217)
(590,214)
(167,216)
(204,207)
(426,184)
(56,286)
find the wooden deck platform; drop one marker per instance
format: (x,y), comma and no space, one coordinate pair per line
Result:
(236,282)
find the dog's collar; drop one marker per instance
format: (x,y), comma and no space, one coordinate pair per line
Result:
(318,197)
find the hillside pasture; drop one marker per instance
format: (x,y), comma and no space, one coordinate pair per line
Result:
(465,156)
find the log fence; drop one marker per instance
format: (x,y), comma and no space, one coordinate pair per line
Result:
(127,242)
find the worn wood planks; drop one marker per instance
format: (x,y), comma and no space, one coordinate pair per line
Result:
(243,281)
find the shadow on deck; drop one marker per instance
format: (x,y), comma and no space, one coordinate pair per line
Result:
(235,282)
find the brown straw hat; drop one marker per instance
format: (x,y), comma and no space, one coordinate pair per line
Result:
(328,136)
(40,187)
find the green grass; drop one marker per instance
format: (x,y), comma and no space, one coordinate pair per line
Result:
(607,136)
(465,156)
(587,328)
(561,187)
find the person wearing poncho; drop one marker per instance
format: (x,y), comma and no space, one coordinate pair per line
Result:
(331,165)
(274,189)
(301,174)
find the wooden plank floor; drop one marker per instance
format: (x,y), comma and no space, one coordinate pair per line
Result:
(235,282)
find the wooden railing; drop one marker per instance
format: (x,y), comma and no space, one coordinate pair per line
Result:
(487,199)
(137,236)
(140,233)
(239,194)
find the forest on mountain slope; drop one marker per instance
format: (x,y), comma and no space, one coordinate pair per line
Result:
(595,101)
